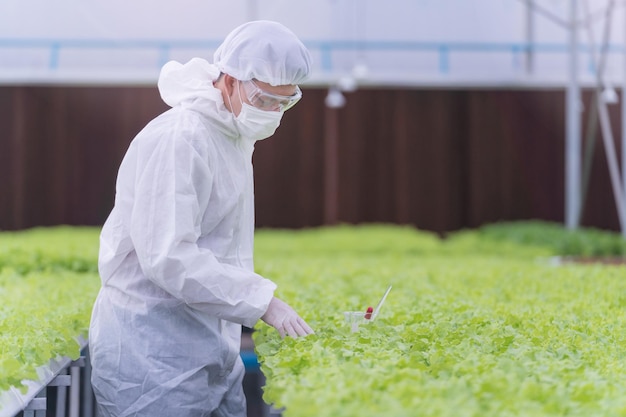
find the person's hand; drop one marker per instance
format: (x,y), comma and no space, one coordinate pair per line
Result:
(284,319)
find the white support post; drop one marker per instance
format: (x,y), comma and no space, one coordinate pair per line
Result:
(624,126)
(609,145)
(61,381)
(530,37)
(572,128)
(87,400)
(74,409)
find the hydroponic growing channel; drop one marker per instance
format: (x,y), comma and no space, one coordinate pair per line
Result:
(482,323)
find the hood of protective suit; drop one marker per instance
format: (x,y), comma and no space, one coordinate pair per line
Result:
(266,51)
(191,85)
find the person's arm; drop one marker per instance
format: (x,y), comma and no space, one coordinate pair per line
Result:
(284,319)
(172,190)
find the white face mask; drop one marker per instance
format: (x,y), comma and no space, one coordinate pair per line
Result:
(256,124)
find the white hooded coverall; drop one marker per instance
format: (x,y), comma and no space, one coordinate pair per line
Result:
(176,261)
(176,251)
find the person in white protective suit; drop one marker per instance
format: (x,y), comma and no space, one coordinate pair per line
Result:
(176,250)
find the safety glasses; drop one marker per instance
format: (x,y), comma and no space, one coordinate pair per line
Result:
(267,101)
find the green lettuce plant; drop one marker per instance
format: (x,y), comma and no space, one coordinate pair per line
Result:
(474,326)
(48,282)
(479,323)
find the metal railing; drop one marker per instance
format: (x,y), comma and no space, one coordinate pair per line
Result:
(326,49)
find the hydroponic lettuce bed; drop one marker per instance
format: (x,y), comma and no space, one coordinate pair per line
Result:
(480,324)
(48,282)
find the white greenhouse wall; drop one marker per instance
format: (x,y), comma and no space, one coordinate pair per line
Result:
(444,42)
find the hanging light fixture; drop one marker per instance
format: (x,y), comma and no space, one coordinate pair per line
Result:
(335,98)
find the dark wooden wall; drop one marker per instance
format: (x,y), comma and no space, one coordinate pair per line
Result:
(440,159)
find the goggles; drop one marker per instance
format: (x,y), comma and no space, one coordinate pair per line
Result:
(267,101)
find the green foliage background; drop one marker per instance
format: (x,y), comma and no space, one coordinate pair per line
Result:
(48,282)
(482,322)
